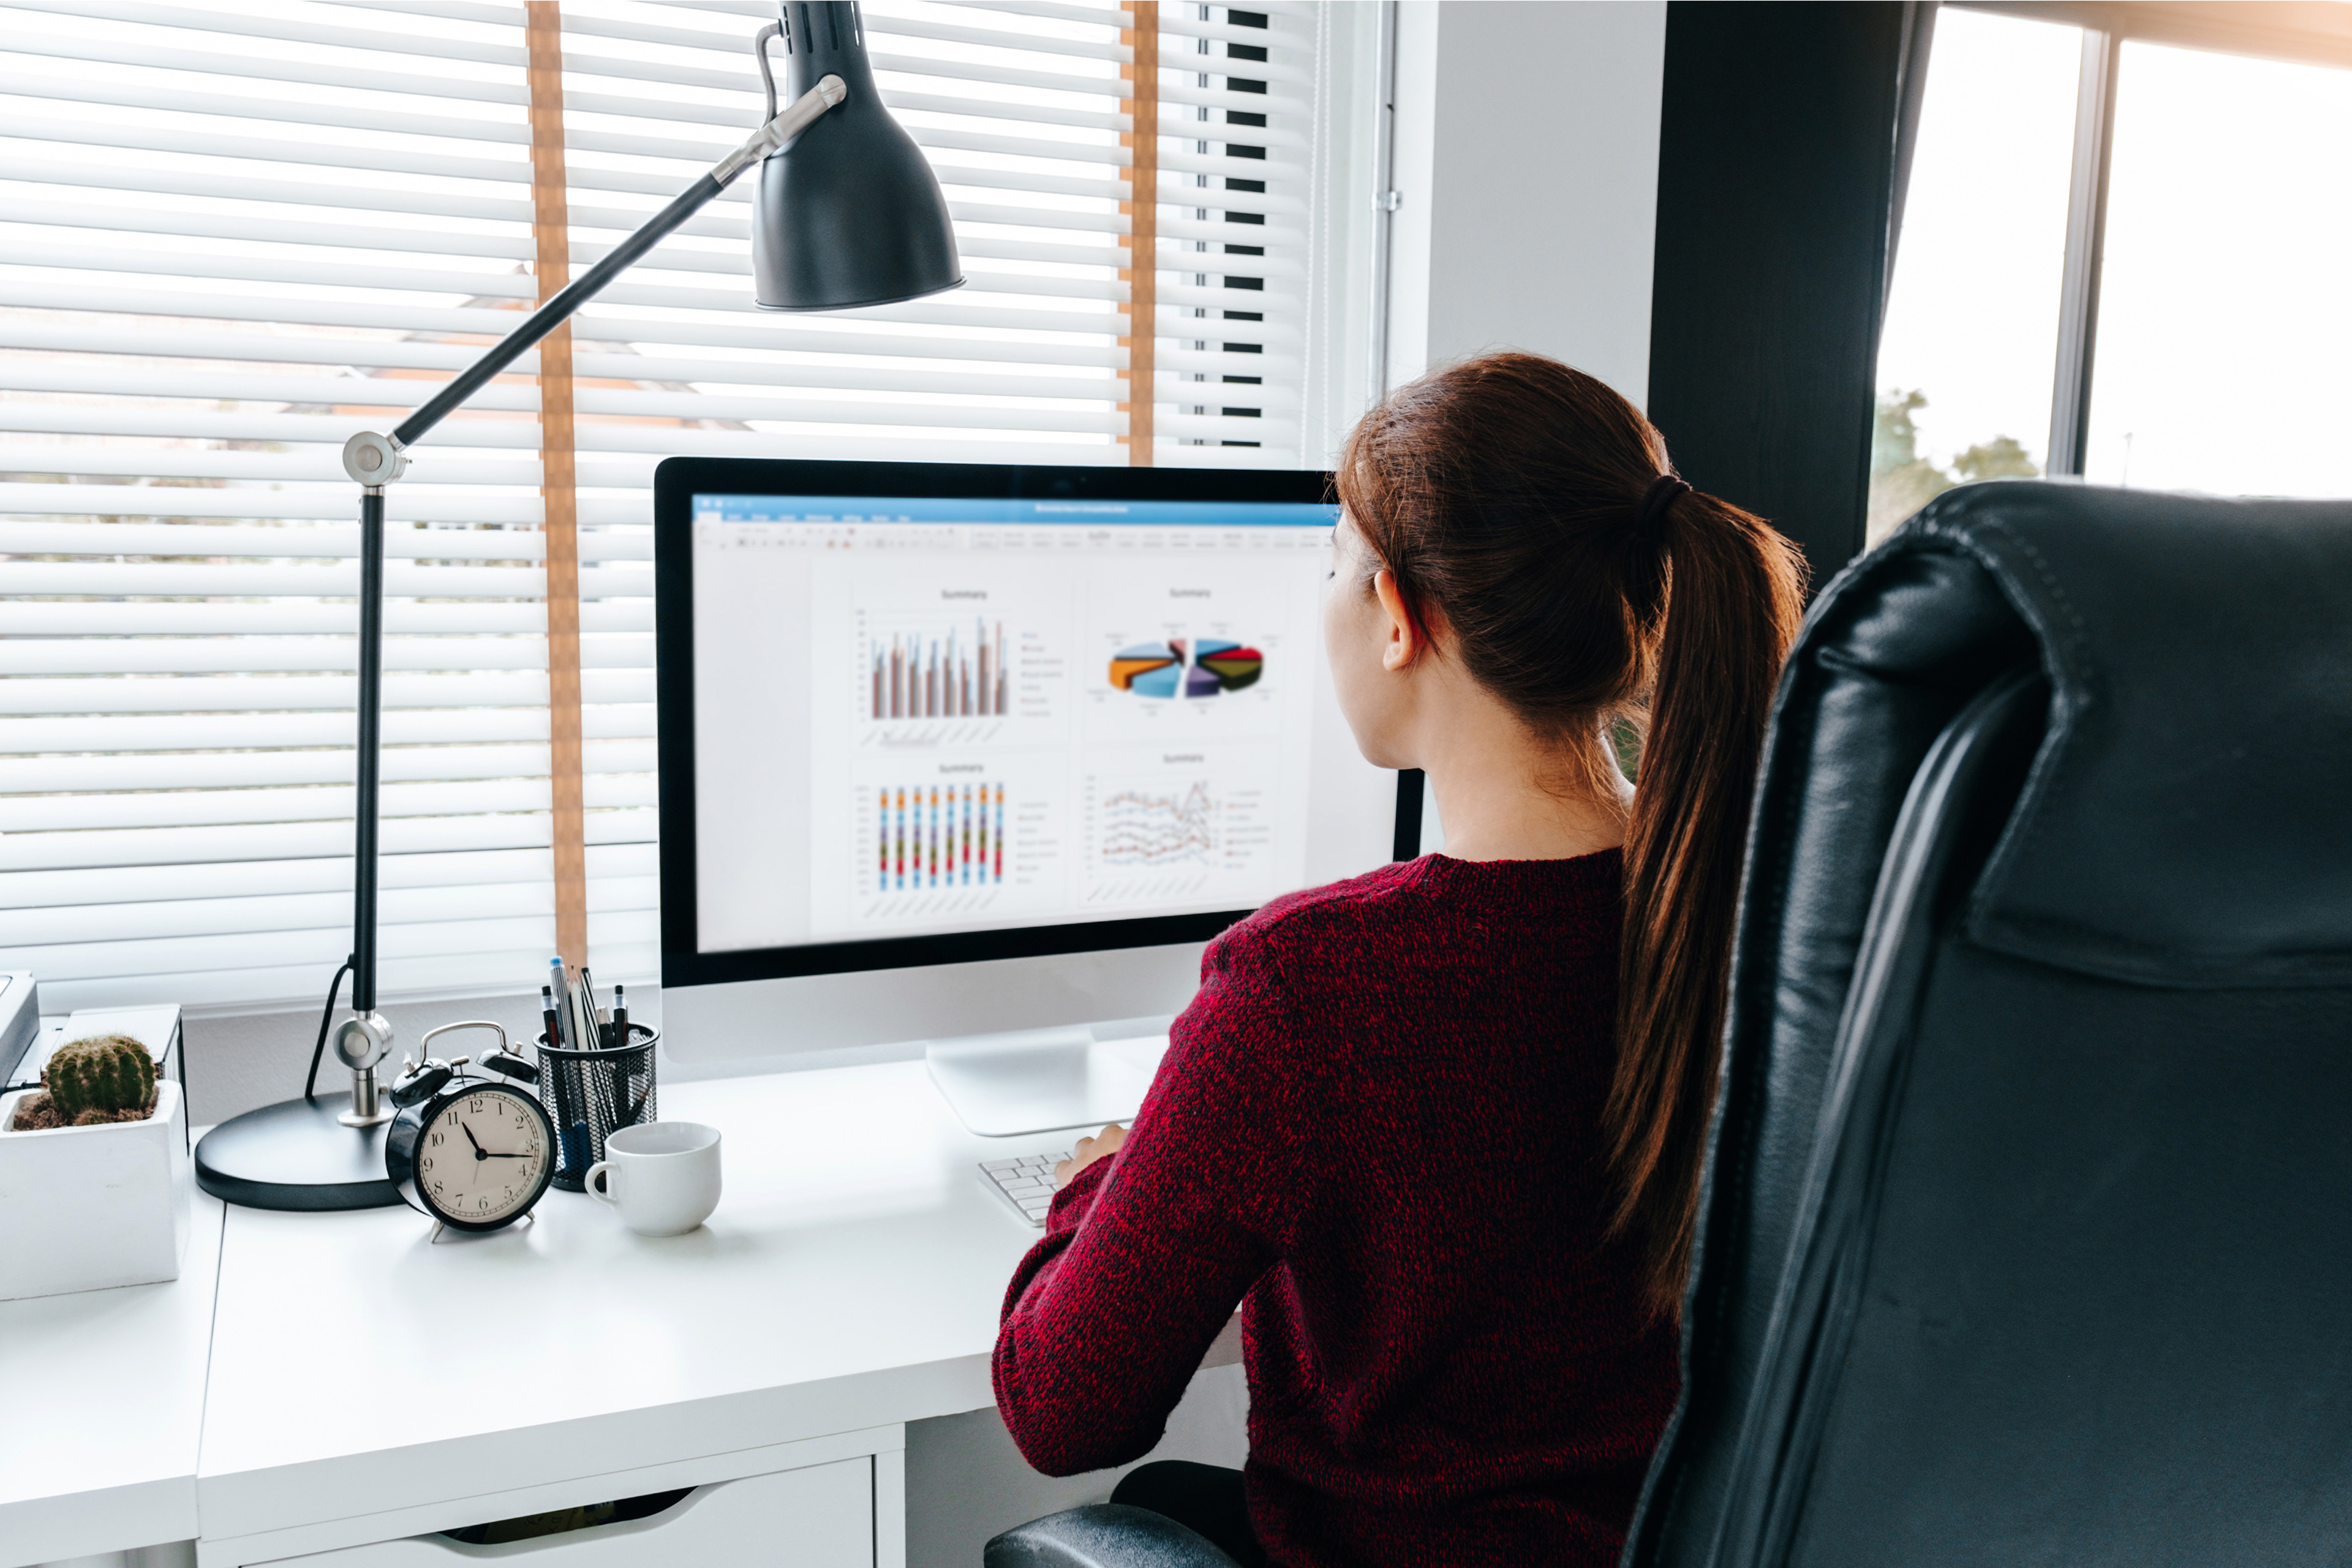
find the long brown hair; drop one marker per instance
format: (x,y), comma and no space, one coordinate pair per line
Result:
(1505,497)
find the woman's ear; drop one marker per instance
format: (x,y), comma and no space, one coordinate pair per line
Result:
(1406,641)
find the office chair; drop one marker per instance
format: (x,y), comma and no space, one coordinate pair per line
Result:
(1103,1535)
(2021,1234)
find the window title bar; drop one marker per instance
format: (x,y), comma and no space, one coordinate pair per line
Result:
(1085,513)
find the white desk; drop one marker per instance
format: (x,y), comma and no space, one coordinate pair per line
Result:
(105,1401)
(366,1385)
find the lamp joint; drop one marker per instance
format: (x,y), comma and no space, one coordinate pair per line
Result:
(797,117)
(374,460)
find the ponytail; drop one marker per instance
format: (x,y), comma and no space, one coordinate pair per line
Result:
(1734,590)
(1530,507)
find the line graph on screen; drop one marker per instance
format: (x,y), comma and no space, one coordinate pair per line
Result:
(1143,828)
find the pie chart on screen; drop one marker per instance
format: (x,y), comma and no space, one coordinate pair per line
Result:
(1148,670)
(1234,665)
(1175,668)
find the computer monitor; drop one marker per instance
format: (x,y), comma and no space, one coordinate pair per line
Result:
(949,750)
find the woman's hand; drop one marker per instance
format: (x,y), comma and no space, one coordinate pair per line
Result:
(1101,1146)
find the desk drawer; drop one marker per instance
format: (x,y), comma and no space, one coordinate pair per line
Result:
(821,1517)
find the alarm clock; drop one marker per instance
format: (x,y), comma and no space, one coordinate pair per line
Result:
(473,1153)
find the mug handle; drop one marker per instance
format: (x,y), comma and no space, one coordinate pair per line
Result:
(603,1195)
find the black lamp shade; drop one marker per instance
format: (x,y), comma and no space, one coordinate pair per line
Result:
(850,214)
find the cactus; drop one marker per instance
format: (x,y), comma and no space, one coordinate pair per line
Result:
(106,1077)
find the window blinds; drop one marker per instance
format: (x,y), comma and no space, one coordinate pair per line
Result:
(231,235)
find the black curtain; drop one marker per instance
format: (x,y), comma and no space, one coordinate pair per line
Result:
(1777,162)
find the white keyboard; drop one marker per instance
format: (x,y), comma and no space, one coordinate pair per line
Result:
(1026,1184)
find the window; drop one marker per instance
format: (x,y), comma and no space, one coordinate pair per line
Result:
(1971,328)
(231,235)
(2224,319)
(2118,258)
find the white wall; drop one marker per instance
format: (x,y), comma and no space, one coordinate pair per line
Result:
(239,1061)
(1526,155)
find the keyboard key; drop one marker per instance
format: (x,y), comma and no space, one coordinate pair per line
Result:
(1025,1183)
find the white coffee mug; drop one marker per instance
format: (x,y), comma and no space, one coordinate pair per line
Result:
(662,1175)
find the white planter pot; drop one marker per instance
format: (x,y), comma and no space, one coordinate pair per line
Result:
(83,1208)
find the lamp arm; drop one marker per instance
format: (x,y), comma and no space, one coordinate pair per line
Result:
(374,459)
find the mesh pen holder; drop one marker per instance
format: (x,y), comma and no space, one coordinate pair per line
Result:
(588,1094)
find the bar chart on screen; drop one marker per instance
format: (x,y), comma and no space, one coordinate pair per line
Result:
(930,680)
(943,677)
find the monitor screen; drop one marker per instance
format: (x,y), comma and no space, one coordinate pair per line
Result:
(923,724)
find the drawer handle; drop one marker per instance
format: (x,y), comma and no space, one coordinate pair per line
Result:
(564,1520)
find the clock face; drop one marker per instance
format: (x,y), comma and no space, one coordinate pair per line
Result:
(484,1158)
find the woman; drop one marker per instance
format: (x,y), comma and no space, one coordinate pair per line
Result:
(1438,1127)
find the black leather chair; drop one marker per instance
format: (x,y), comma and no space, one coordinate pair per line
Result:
(2024,1227)
(1103,1535)
(2022,1230)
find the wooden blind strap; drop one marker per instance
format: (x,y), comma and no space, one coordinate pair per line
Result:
(543,40)
(1141,273)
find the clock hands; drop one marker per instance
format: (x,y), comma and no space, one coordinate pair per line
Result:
(482,1154)
(463,1195)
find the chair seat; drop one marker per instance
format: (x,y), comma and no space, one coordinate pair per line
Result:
(1103,1535)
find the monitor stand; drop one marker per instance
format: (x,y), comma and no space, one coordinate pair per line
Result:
(1042,1080)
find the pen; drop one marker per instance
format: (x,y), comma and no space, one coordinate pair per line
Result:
(547,1011)
(583,1015)
(620,1017)
(559,990)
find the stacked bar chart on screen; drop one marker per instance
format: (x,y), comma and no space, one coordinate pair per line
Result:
(1179,668)
(931,836)
(959,674)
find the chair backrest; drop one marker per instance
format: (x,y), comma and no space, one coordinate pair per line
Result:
(2022,1237)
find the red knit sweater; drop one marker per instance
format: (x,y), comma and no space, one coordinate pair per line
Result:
(1378,1128)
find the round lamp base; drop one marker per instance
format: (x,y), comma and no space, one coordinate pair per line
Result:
(295,1155)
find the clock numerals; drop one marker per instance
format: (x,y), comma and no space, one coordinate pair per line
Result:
(492,1158)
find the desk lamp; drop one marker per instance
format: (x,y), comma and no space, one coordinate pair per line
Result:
(846,213)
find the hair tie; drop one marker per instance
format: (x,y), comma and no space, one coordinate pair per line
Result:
(1662,493)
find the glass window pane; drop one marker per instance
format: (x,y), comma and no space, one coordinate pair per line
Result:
(1967,359)
(2225,323)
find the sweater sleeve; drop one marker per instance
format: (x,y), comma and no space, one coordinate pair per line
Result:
(1148,1252)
